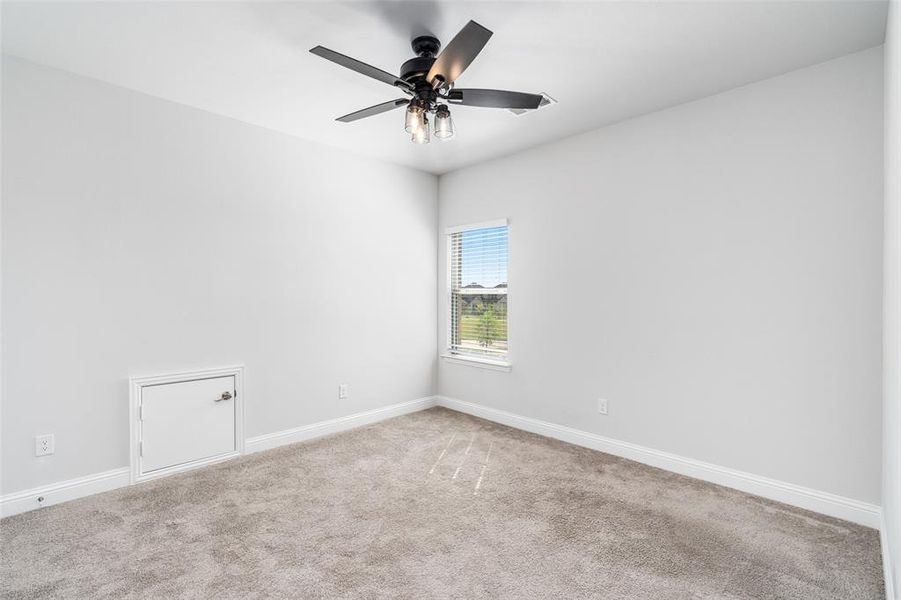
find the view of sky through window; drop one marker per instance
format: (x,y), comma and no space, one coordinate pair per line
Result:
(484,257)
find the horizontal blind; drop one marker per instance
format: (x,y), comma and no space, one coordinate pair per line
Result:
(478,292)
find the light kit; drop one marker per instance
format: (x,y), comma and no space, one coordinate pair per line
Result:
(444,123)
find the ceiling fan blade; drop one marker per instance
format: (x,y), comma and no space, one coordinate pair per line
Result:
(373,110)
(459,53)
(360,67)
(494,98)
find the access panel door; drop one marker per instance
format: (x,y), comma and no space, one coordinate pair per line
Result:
(186,421)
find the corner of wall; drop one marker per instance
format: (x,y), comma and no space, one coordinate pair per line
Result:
(891,409)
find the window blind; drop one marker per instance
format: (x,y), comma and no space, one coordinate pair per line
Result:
(478,292)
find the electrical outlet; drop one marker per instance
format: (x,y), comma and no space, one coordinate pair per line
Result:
(602,406)
(342,391)
(44,445)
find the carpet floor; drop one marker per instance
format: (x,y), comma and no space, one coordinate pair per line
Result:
(434,504)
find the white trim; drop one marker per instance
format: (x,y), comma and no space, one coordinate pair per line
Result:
(480,225)
(822,502)
(188,466)
(136,384)
(315,430)
(888,573)
(54,493)
(477,361)
(449,353)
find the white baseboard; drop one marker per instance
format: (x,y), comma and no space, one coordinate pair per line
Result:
(315,430)
(788,493)
(19,502)
(822,502)
(54,493)
(887,563)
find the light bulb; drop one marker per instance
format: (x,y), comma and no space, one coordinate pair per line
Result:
(444,124)
(413,116)
(421,133)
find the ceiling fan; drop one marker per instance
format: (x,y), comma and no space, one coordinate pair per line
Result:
(428,81)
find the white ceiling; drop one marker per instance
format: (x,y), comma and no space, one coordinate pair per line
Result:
(604,62)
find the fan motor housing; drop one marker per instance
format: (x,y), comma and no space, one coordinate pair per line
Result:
(426,48)
(416,68)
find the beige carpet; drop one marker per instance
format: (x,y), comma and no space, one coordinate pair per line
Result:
(434,505)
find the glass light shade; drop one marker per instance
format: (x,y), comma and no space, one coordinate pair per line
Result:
(444,125)
(421,133)
(413,117)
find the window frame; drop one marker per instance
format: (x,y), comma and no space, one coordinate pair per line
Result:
(451,355)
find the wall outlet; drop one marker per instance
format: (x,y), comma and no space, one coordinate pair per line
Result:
(44,445)
(602,406)
(342,391)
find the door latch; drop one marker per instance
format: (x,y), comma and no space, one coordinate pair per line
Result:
(224,396)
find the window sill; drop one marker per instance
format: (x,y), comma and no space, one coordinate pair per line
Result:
(480,363)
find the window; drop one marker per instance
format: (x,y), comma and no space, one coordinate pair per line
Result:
(477,303)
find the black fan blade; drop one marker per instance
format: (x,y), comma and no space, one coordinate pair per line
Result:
(459,53)
(374,110)
(494,98)
(360,67)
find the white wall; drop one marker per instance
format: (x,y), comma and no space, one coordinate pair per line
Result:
(714,270)
(891,454)
(727,254)
(142,236)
